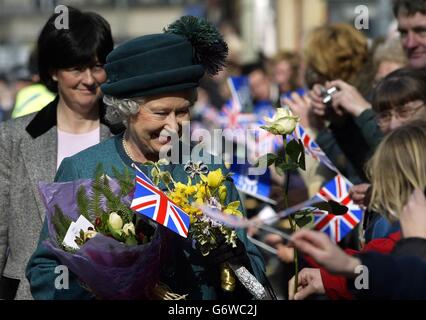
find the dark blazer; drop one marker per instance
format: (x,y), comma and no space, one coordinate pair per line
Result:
(393,277)
(28,155)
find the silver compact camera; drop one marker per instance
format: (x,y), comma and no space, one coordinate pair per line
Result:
(327,94)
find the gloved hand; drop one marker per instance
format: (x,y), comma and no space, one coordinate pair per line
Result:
(226,253)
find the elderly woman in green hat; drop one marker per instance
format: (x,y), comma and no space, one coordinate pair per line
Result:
(151,87)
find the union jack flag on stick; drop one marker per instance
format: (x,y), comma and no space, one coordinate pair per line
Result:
(312,148)
(337,226)
(150,201)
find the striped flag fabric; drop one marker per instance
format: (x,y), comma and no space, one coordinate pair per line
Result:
(150,201)
(337,226)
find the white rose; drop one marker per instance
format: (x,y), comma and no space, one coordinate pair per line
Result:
(89,234)
(283,122)
(115,221)
(129,228)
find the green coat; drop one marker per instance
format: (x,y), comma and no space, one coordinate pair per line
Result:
(189,273)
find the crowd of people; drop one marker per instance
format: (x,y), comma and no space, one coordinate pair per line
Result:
(88,103)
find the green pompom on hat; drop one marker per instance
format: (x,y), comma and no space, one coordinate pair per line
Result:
(172,61)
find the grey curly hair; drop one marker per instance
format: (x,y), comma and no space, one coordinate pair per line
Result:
(119,110)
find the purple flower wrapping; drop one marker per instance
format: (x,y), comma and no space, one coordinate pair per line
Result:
(109,268)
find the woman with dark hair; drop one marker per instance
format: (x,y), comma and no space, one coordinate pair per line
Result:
(32,147)
(400,98)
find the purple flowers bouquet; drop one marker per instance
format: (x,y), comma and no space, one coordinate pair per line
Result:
(115,253)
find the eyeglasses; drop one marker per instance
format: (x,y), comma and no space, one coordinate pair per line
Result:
(404,113)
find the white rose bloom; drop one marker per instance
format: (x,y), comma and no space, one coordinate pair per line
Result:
(115,221)
(129,228)
(283,122)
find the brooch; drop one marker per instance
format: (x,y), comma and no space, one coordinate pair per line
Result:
(195,168)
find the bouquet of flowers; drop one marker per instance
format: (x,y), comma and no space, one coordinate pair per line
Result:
(115,253)
(207,233)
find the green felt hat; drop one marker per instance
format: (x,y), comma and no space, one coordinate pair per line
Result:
(168,62)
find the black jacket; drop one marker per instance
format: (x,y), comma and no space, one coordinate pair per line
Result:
(400,275)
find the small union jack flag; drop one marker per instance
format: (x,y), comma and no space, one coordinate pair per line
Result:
(312,148)
(153,203)
(231,116)
(337,226)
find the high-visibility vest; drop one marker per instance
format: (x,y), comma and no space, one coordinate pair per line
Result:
(31,99)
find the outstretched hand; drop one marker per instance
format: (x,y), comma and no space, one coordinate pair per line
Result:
(319,246)
(348,99)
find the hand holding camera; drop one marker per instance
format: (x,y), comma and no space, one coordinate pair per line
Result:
(340,96)
(347,99)
(327,94)
(321,97)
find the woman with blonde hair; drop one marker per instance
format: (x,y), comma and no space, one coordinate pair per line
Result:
(397,170)
(398,174)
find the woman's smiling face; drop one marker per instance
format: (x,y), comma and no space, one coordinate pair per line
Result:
(160,117)
(79,87)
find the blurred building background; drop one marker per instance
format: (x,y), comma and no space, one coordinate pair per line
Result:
(261,25)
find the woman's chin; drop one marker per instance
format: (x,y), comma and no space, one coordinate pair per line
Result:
(163,147)
(88,101)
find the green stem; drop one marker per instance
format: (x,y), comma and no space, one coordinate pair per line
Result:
(296,263)
(291,219)
(160,171)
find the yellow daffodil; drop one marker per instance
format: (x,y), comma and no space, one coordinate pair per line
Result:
(232,209)
(201,193)
(222,193)
(215,178)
